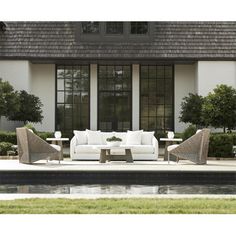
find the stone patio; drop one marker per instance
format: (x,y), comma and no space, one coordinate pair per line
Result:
(160,165)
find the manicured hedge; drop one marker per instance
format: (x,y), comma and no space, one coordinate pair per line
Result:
(221,145)
(45,135)
(8,137)
(11,136)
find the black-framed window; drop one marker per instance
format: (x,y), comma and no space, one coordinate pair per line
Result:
(90,27)
(114,27)
(114,98)
(157,97)
(72,100)
(139,27)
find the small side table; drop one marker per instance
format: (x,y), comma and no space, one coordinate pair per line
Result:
(168,142)
(58,141)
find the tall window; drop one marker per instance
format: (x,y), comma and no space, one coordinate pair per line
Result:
(90,27)
(139,27)
(114,28)
(156,98)
(114,98)
(72,98)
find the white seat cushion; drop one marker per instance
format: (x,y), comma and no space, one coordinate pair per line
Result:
(171,147)
(86,149)
(122,135)
(147,138)
(57,147)
(94,137)
(81,137)
(134,137)
(106,135)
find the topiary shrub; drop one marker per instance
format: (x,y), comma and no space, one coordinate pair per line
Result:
(4,147)
(188,132)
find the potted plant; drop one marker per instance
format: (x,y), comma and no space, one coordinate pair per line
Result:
(114,141)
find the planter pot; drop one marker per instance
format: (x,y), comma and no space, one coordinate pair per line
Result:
(114,144)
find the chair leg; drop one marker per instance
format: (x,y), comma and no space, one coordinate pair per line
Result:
(168,156)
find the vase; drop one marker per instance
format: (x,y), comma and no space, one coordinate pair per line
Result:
(170,134)
(113,143)
(57,134)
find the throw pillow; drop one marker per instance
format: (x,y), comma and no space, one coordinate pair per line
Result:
(134,137)
(94,137)
(147,137)
(81,137)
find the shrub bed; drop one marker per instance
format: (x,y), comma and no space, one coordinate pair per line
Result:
(221,145)
(5,147)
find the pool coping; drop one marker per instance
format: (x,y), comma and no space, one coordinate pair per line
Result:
(10,196)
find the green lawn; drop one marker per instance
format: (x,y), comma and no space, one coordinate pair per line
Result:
(118,206)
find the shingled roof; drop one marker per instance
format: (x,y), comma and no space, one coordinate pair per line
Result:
(172,40)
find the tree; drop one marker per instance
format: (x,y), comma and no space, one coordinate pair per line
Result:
(191,110)
(219,108)
(29,109)
(9,102)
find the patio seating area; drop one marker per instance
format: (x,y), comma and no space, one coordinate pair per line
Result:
(31,148)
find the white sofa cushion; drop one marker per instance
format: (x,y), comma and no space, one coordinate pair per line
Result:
(122,135)
(147,138)
(134,137)
(81,137)
(94,137)
(106,135)
(86,149)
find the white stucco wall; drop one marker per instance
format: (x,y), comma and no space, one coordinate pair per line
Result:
(93,97)
(212,73)
(184,84)
(43,86)
(135,97)
(17,73)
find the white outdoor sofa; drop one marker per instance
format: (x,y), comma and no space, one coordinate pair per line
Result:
(144,147)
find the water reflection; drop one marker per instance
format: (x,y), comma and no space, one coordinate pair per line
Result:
(119,189)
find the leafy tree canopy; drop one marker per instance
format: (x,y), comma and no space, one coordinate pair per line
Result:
(191,109)
(9,102)
(29,109)
(219,108)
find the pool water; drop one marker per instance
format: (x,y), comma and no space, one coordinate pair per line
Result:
(119,189)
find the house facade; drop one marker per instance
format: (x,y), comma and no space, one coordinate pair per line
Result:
(115,75)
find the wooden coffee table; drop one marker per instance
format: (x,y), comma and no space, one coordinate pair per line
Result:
(106,155)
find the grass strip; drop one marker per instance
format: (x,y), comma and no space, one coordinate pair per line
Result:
(118,206)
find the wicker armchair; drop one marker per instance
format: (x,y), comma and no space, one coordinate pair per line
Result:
(32,148)
(194,149)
